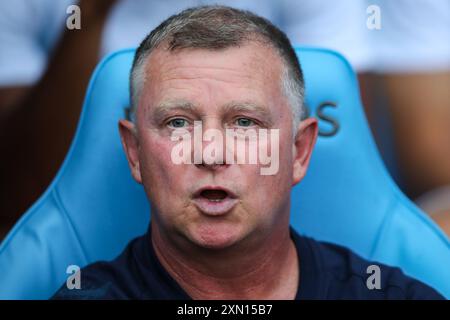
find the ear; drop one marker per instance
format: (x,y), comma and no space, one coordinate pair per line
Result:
(130,143)
(304,142)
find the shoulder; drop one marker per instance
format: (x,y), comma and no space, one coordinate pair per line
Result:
(349,276)
(106,280)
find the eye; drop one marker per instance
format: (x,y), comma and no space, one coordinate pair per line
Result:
(244,122)
(178,123)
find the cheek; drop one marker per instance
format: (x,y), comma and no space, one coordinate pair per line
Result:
(268,190)
(274,188)
(155,154)
(159,173)
(266,193)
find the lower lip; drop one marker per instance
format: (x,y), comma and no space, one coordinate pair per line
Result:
(215,208)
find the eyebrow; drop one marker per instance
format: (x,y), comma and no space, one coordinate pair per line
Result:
(161,109)
(174,104)
(246,106)
(261,111)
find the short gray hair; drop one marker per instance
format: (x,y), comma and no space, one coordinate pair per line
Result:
(215,28)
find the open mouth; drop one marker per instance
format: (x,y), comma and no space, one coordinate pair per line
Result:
(214,195)
(214,200)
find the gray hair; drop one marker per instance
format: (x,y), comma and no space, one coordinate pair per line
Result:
(215,28)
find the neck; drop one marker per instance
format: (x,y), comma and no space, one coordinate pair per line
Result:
(261,268)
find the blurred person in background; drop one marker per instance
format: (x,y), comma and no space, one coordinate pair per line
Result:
(43,63)
(44,70)
(407,98)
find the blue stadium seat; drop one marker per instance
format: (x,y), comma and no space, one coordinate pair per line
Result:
(93,208)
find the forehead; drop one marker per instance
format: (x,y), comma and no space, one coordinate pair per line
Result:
(250,69)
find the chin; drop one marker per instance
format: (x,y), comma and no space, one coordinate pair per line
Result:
(216,235)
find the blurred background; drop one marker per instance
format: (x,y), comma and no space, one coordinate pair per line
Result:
(399,48)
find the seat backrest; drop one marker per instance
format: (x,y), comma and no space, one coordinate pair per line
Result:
(93,208)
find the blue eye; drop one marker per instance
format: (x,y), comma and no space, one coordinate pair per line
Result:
(178,123)
(244,122)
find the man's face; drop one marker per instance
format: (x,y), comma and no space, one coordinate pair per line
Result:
(215,206)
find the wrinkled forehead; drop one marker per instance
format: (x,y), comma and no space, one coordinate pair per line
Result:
(253,66)
(255,53)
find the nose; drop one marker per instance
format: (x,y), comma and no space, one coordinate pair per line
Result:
(209,145)
(212,167)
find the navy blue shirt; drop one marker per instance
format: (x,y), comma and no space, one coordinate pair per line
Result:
(327,271)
